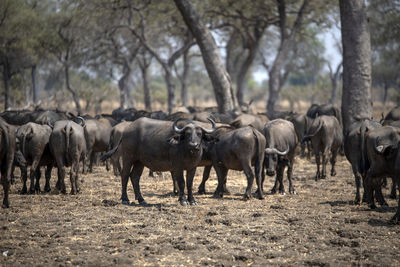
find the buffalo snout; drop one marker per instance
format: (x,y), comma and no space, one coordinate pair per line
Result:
(270,172)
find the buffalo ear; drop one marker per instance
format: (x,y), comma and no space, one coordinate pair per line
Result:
(175,140)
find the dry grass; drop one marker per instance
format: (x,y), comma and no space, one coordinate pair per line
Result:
(319,226)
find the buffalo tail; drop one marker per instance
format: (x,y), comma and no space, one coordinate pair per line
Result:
(109,154)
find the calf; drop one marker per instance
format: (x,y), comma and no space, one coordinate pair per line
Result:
(281,142)
(326,136)
(68,146)
(383,152)
(34,145)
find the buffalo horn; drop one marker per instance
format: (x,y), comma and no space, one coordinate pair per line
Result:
(274,150)
(175,126)
(83,122)
(212,128)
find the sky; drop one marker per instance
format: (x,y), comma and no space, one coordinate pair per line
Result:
(331,53)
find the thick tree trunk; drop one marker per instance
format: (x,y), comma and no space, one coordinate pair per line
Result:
(212,60)
(274,84)
(34,87)
(184,79)
(75,95)
(146,89)
(356,99)
(170,89)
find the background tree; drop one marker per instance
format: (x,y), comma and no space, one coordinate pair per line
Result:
(212,60)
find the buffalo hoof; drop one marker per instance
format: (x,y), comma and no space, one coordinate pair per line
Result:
(282,192)
(73,192)
(273,191)
(260,196)
(385,206)
(293,192)
(183,202)
(333,173)
(23,191)
(5,206)
(125,202)
(193,203)
(246,196)
(323,176)
(372,206)
(395,219)
(218,194)
(47,189)
(357,201)
(226,191)
(31,191)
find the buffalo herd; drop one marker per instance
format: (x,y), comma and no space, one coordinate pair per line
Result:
(199,137)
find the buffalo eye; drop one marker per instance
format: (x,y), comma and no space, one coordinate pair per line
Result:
(199,133)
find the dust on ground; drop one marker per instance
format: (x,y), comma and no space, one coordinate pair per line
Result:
(318,226)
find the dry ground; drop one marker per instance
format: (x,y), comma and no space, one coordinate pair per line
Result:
(318,226)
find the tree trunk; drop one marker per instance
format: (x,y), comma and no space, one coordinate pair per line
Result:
(274,84)
(184,79)
(146,89)
(124,94)
(212,60)
(75,95)
(170,89)
(334,92)
(6,80)
(356,99)
(34,87)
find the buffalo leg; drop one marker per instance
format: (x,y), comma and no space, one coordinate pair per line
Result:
(61,182)
(393,192)
(38,175)
(279,176)
(24,174)
(290,177)
(257,171)
(221,174)
(324,163)
(91,158)
(6,189)
(125,172)
(250,180)
(174,185)
(48,176)
(189,186)
(135,179)
(73,176)
(396,217)
(333,162)
(357,177)
(206,175)
(178,174)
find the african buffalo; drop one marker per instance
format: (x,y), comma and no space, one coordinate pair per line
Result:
(257,121)
(34,145)
(238,149)
(301,123)
(393,115)
(115,136)
(97,135)
(325,109)
(356,154)
(160,146)
(326,136)
(68,146)
(7,151)
(281,142)
(383,152)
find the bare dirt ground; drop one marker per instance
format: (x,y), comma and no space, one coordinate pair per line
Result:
(318,226)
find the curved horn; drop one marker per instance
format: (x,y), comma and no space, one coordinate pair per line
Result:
(175,126)
(212,128)
(51,125)
(83,122)
(276,151)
